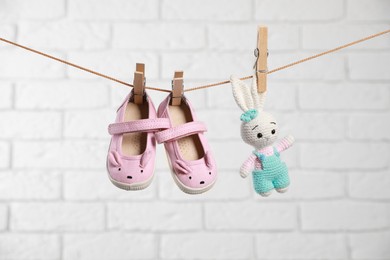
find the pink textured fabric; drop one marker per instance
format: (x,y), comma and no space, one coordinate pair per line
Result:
(143,125)
(180,131)
(133,172)
(194,176)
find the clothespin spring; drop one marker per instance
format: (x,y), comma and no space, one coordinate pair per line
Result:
(256,53)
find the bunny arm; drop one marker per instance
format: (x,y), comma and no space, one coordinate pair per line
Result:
(247,167)
(285,143)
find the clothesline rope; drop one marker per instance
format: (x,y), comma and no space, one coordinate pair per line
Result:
(199,87)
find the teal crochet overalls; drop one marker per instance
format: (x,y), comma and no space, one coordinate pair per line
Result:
(273,175)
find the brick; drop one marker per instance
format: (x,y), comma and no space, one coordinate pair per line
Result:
(235,37)
(345,215)
(21,65)
(316,185)
(369,127)
(29,246)
(301,246)
(326,68)
(73,154)
(222,128)
(4,155)
(369,66)
(31,125)
(114,63)
(61,94)
(118,95)
(369,185)
(298,10)
(374,245)
(160,36)
(118,246)
(3,217)
(197,98)
(24,9)
(57,216)
(162,163)
(250,216)
(357,96)
(344,155)
(118,9)
(149,216)
(281,98)
(368,10)
(6,98)
(313,126)
(311,185)
(231,181)
(320,37)
(219,10)
(83,124)
(229,155)
(8,32)
(206,246)
(30,185)
(64,35)
(95,185)
(203,65)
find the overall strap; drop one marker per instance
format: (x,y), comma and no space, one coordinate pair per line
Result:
(276,151)
(177,132)
(259,155)
(142,125)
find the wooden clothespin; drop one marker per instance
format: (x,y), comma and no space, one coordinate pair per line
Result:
(261,63)
(177,88)
(139,83)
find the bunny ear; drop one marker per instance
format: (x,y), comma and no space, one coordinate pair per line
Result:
(261,97)
(241,93)
(114,159)
(258,98)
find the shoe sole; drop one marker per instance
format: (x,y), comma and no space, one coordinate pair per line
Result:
(184,188)
(128,187)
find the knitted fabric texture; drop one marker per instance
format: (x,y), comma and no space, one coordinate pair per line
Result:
(249,115)
(274,173)
(260,132)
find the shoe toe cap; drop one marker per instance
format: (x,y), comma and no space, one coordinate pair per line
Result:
(131,173)
(199,177)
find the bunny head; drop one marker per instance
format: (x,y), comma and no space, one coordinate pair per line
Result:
(258,128)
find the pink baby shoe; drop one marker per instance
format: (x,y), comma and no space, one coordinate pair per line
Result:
(132,152)
(192,164)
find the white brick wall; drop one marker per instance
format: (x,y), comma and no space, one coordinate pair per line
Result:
(56,202)
(60,217)
(30,185)
(109,245)
(298,10)
(301,246)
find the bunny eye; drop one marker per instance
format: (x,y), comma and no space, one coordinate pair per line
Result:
(259,135)
(273,131)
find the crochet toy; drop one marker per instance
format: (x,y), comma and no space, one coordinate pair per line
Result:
(260,130)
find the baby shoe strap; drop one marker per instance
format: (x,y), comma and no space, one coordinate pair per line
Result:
(142,125)
(180,131)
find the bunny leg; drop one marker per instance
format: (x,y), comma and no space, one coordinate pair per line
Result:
(281,182)
(262,184)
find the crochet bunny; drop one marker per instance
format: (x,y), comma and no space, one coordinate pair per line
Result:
(260,130)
